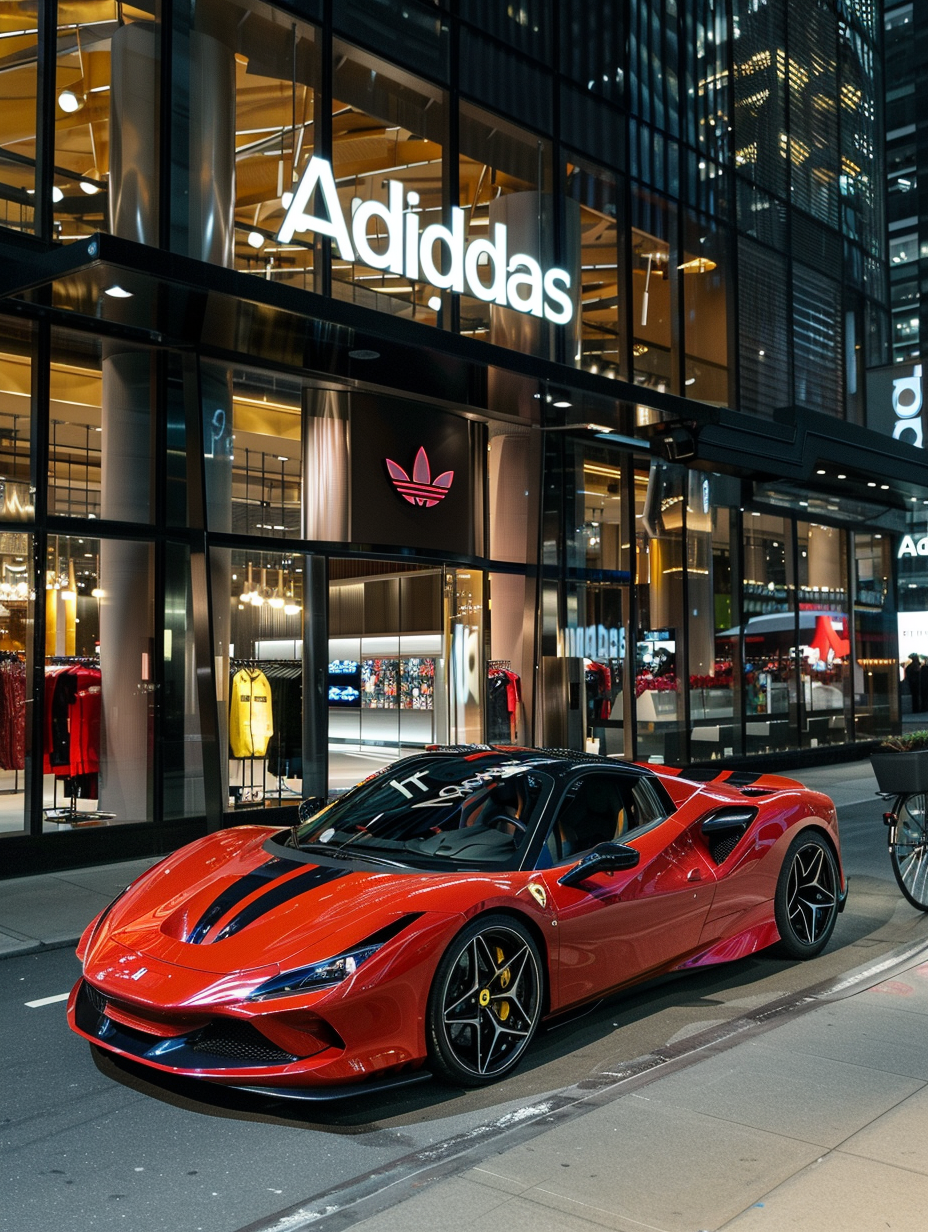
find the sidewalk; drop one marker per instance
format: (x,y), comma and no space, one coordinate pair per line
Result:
(52,910)
(816,1124)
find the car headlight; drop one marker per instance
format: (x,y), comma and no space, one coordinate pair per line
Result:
(323,974)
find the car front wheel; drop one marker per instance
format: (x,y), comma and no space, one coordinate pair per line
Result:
(806,902)
(485,1001)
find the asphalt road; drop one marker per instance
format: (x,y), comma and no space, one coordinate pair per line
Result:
(87,1144)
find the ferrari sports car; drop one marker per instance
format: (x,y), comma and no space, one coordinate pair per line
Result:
(428,920)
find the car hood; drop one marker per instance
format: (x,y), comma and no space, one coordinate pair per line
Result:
(233,902)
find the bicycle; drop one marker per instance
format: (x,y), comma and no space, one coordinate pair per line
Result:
(908,844)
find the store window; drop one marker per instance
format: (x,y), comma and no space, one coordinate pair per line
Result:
(180,744)
(654,291)
(704,271)
(597,537)
(660,651)
(388,127)
(273,61)
(17,613)
(603,330)
(106,120)
(99,682)
(16,348)
(407,664)
(712,562)
(252,449)
(876,666)
(770,632)
(258,635)
(101,425)
(505,180)
(824,635)
(20,44)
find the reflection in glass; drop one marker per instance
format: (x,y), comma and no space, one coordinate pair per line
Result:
(16,344)
(18,116)
(654,290)
(599,195)
(714,658)
(824,634)
(106,107)
(17,613)
(769,634)
(387,127)
(505,180)
(876,687)
(659,707)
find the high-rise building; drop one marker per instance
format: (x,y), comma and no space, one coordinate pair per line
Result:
(377,374)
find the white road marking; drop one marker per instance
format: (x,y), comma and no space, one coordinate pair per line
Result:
(35,1005)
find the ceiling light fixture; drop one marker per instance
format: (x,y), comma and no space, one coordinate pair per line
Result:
(69,101)
(255,239)
(117,292)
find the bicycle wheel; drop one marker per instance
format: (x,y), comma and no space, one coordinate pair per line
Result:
(909,855)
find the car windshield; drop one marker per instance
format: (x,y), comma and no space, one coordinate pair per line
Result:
(475,810)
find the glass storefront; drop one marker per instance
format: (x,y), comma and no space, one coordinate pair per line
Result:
(262,534)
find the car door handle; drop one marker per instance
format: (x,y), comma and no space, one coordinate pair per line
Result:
(694,874)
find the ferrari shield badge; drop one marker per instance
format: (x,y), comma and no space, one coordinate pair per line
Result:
(537,892)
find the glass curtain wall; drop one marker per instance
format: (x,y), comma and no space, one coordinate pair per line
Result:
(603,297)
(505,179)
(19,45)
(107,78)
(824,634)
(770,634)
(876,668)
(715,663)
(660,648)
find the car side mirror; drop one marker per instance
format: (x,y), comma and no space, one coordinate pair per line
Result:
(604,858)
(310,807)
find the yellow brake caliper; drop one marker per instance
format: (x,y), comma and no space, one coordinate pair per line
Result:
(502,1009)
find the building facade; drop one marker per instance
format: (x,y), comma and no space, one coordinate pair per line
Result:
(375,375)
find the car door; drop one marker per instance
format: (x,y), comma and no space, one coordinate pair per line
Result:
(617,926)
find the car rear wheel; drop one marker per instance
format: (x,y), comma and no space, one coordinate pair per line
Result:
(806,901)
(485,1001)
(909,854)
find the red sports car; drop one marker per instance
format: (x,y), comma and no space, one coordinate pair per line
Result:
(429,919)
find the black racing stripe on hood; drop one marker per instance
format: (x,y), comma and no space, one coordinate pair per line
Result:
(269,871)
(277,895)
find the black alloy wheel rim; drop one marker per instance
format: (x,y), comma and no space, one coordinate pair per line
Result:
(491,1002)
(811,898)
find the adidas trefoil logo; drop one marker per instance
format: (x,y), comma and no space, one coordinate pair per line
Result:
(422,489)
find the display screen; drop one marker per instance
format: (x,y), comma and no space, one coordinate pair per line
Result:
(379,684)
(417,684)
(343,686)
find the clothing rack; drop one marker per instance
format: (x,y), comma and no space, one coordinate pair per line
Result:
(276,671)
(13,658)
(70,814)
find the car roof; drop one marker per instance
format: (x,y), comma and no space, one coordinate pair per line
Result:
(557,762)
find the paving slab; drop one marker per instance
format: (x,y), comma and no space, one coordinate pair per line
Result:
(876,1037)
(841,1193)
(897,1138)
(770,1088)
(647,1164)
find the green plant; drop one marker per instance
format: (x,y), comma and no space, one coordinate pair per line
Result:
(910,743)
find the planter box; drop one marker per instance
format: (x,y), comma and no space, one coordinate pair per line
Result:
(901,772)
